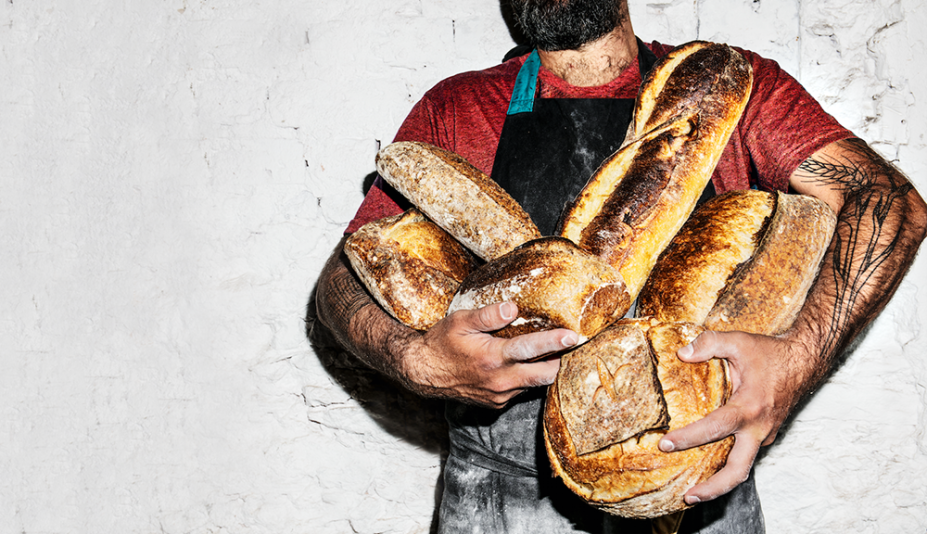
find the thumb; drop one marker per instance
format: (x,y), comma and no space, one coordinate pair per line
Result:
(707,345)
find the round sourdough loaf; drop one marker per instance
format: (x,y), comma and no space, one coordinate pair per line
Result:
(630,476)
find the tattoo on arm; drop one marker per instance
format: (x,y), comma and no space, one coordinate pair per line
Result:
(866,237)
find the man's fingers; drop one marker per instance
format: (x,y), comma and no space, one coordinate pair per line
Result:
(710,344)
(542,373)
(492,317)
(717,425)
(528,347)
(735,471)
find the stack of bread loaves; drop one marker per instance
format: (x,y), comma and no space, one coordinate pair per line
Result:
(623,388)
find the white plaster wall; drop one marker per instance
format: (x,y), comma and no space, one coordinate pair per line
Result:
(173,175)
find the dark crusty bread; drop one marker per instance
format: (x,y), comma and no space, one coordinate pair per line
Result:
(744,261)
(410,266)
(686,111)
(457,197)
(554,283)
(633,478)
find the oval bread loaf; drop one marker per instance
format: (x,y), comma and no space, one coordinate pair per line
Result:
(457,197)
(745,261)
(411,266)
(632,477)
(554,283)
(687,109)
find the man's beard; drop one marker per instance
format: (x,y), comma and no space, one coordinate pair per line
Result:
(553,25)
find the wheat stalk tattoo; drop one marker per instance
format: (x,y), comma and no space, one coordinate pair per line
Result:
(858,251)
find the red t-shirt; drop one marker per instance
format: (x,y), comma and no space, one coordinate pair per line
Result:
(781,127)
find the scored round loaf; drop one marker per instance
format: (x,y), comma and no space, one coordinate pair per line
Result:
(632,477)
(458,197)
(410,265)
(554,283)
(688,107)
(744,261)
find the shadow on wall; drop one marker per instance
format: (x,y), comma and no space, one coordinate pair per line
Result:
(413,419)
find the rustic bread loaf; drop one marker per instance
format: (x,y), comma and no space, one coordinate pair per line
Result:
(631,477)
(457,197)
(411,266)
(687,109)
(744,261)
(554,283)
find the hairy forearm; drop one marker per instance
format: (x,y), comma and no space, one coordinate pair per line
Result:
(346,308)
(880,225)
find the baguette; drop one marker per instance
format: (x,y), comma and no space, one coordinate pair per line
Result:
(687,109)
(458,197)
(554,283)
(410,266)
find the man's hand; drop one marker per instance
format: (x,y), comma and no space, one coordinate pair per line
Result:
(458,359)
(767,383)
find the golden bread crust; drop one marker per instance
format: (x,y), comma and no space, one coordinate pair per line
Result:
(766,294)
(554,283)
(695,268)
(411,266)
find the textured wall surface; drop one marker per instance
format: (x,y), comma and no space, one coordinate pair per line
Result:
(174,175)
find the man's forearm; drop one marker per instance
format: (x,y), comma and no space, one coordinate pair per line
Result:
(880,225)
(359,324)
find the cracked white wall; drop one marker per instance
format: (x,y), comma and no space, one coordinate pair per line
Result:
(175,173)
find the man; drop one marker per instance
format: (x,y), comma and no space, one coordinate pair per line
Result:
(590,68)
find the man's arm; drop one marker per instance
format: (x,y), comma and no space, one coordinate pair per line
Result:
(881,221)
(456,358)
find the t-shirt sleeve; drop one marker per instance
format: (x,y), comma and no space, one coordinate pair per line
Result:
(422,124)
(782,124)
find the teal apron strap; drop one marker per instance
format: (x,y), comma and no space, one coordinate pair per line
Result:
(525,86)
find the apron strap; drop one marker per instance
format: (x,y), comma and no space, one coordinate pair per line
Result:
(525,85)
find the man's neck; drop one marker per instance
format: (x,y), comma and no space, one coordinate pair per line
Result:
(595,63)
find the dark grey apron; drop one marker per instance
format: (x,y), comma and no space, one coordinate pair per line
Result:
(497,477)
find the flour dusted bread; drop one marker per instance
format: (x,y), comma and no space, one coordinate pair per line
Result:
(411,266)
(744,261)
(685,113)
(458,197)
(631,477)
(554,283)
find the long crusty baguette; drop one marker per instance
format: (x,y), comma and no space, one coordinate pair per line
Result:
(632,477)
(744,261)
(411,266)
(554,283)
(457,197)
(686,111)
